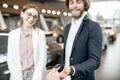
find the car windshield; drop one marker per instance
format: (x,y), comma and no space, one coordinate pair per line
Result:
(53,22)
(108,27)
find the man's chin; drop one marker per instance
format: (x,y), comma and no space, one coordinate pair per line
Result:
(76,16)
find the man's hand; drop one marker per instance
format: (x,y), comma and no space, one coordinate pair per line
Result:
(65,72)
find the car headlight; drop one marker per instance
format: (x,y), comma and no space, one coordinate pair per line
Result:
(111,33)
(55,35)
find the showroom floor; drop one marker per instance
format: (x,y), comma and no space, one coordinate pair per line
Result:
(110,62)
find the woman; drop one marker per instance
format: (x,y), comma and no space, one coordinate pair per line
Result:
(27,55)
(53,74)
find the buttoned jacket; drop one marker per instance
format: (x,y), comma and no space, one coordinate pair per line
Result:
(86,49)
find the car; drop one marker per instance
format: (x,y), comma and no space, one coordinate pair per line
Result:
(56,34)
(105,41)
(111,33)
(54,46)
(54,52)
(4,72)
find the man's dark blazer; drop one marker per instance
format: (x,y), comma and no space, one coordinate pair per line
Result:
(86,49)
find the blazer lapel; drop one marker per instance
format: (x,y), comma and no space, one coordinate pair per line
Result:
(66,33)
(34,39)
(17,47)
(78,33)
(17,42)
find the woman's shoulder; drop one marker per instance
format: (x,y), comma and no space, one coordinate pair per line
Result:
(14,31)
(41,31)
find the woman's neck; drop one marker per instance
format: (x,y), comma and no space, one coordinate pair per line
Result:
(26,31)
(26,28)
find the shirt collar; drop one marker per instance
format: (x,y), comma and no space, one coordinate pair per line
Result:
(78,22)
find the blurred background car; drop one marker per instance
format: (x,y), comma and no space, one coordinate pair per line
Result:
(4,72)
(54,53)
(105,41)
(56,34)
(54,46)
(110,31)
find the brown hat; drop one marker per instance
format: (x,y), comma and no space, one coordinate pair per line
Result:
(86,3)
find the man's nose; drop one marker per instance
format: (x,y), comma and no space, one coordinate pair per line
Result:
(74,4)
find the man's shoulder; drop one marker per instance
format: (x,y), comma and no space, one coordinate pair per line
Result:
(68,25)
(92,21)
(93,25)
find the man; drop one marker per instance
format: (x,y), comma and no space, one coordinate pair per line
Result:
(82,44)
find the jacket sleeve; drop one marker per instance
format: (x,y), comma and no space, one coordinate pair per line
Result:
(11,58)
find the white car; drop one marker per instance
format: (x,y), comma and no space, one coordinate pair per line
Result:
(105,41)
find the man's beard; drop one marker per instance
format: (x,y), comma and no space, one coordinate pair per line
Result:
(77,14)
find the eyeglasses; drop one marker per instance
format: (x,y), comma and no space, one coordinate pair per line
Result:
(30,15)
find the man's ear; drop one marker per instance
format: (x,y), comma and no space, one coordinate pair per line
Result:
(21,14)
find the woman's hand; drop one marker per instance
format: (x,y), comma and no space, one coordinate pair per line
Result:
(53,74)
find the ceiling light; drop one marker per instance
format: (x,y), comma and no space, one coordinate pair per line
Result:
(48,11)
(16,7)
(69,14)
(53,12)
(58,12)
(65,13)
(5,5)
(43,11)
